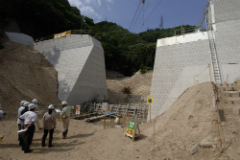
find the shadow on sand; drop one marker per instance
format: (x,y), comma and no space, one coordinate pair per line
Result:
(71,137)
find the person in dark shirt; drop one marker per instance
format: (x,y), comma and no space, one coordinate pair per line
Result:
(26,108)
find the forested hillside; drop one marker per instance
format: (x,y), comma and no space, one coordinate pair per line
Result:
(125,52)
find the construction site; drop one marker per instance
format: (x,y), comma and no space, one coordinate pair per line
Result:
(187,107)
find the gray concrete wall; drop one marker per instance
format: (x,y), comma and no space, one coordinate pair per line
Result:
(20,38)
(227,37)
(79,60)
(177,60)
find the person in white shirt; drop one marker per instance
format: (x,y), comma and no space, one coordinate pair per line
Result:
(65,116)
(35,101)
(19,123)
(49,123)
(29,119)
(2,113)
(23,134)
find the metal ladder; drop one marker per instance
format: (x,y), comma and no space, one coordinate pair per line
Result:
(214,58)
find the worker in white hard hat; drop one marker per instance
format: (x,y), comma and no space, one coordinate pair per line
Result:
(19,123)
(23,134)
(35,101)
(65,117)
(49,123)
(29,119)
(2,113)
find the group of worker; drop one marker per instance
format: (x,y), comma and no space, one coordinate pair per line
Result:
(27,118)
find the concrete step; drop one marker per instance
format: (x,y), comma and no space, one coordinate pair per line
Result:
(222,88)
(225,84)
(231,93)
(232,100)
(229,107)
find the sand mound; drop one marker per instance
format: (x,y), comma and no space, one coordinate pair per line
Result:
(195,105)
(186,123)
(25,74)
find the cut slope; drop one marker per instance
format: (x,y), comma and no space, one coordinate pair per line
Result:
(25,74)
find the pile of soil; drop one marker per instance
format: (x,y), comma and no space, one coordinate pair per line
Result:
(25,74)
(139,85)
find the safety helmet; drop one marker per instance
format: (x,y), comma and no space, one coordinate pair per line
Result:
(26,104)
(51,106)
(3,113)
(64,103)
(22,102)
(32,106)
(35,101)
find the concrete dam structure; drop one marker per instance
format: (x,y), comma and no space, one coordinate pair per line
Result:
(182,61)
(79,60)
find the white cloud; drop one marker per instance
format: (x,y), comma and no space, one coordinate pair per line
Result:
(109,1)
(86,9)
(93,2)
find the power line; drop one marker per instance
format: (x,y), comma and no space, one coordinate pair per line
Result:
(154,9)
(135,14)
(137,18)
(143,15)
(166,17)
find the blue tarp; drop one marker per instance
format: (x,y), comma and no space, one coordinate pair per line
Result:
(109,113)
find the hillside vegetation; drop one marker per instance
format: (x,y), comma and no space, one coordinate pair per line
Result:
(125,52)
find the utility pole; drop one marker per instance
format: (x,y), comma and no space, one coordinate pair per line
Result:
(161,22)
(83,21)
(181,23)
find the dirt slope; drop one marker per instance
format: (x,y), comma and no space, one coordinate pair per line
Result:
(139,84)
(25,74)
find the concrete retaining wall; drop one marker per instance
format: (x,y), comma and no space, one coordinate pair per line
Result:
(20,38)
(227,15)
(177,60)
(79,60)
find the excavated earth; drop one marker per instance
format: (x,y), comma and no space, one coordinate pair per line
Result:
(25,74)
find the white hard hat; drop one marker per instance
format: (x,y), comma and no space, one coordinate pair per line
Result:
(34,101)
(3,113)
(22,102)
(31,106)
(51,106)
(26,103)
(64,103)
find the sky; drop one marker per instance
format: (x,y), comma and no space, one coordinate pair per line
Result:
(138,17)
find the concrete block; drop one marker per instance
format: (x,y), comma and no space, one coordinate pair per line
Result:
(195,148)
(76,68)
(227,88)
(234,102)
(232,94)
(205,143)
(225,84)
(236,111)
